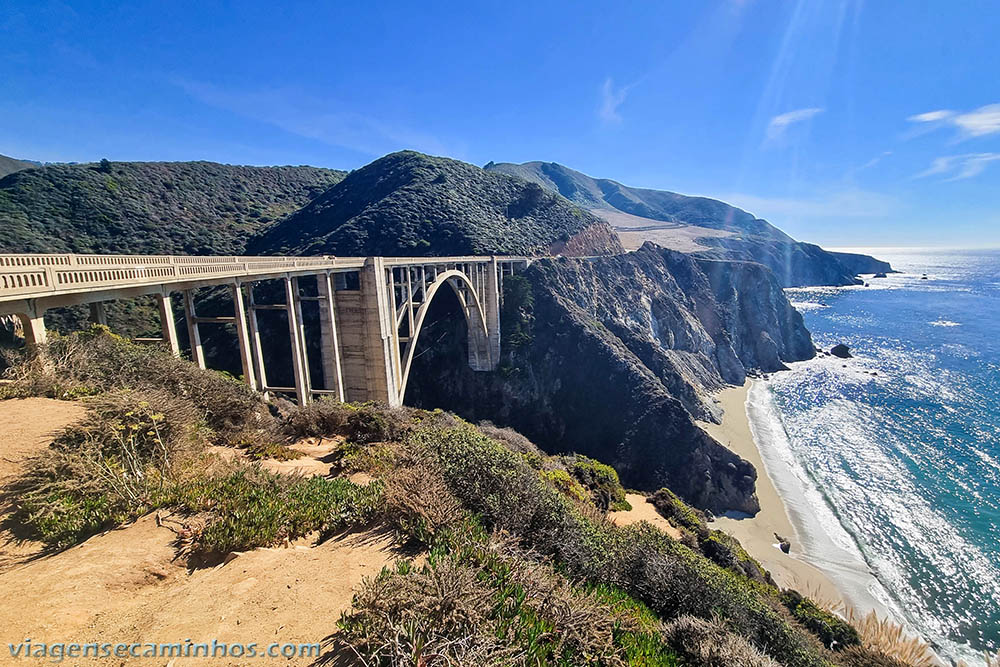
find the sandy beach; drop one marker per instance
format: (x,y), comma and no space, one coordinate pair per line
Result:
(756,534)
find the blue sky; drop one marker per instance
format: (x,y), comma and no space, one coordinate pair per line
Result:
(845,123)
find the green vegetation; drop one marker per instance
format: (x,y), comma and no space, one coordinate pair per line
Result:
(717,546)
(407,203)
(150,207)
(522,568)
(254,508)
(833,631)
(601,480)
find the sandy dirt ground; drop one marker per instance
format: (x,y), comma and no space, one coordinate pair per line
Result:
(27,426)
(757,534)
(127,586)
(634,230)
(643,511)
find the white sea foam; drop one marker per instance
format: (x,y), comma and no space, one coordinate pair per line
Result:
(808,305)
(945,323)
(823,541)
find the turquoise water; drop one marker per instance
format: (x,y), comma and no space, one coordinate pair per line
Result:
(899,448)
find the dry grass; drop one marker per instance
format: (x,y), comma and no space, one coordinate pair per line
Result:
(885,636)
(419,501)
(709,644)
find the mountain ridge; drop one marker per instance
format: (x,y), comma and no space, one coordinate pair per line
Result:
(696,224)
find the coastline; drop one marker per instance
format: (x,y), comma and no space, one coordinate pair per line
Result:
(756,533)
(818,565)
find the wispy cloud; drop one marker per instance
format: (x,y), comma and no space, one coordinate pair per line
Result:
(960,167)
(979,122)
(324,120)
(779,124)
(611,99)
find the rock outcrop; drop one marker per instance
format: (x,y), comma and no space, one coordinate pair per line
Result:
(859,264)
(614,357)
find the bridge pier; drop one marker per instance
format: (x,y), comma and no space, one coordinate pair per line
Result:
(33,324)
(381,364)
(243,334)
(167,325)
(98,314)
(296,331)
(194,334)
(333,377)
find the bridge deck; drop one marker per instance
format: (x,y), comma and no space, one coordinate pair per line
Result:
(49,276)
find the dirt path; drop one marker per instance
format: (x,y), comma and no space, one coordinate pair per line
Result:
(27,426)
(125,586)
(643,511)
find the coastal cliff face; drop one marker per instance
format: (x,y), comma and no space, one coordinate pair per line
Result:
(614,358)
(862,263)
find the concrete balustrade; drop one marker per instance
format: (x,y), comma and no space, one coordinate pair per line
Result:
(368,332)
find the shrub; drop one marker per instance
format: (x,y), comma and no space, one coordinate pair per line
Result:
(96,360)
(508,494)
(510,438)
(565,484)
(709,644)
(602,481)
(861,656)
(121,461)
(254,508)
(883,636)
(319,419)
(677,512)
(482,600)
(419,502)
(833,631)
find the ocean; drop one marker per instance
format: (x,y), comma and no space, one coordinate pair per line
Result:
(890,462)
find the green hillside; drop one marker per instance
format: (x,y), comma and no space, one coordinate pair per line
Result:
(150,207)
(407,203)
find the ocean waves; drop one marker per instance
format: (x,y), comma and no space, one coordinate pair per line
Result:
(901,446)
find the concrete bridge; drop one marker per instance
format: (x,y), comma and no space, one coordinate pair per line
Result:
(371,309)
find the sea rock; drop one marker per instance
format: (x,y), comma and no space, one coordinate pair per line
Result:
(841,351)
(880,275)
(783,543)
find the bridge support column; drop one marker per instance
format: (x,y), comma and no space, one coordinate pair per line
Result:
(33,325)
(167,325)
(243,334)
(194,335)
(380,355)
(333,377)
(491,306)
(98,314)
(300,364)
(255,339)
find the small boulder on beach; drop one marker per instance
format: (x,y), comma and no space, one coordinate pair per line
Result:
(783,543)
(841,351)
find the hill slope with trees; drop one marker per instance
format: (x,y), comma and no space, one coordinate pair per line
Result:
(407,203)
(150,207)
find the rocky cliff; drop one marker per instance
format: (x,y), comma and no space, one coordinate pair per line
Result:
(615,357)
(859,264)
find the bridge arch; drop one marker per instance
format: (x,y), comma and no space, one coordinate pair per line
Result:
(475,319)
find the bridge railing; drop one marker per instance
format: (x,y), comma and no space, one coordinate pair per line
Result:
(38,275)
(22,275)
